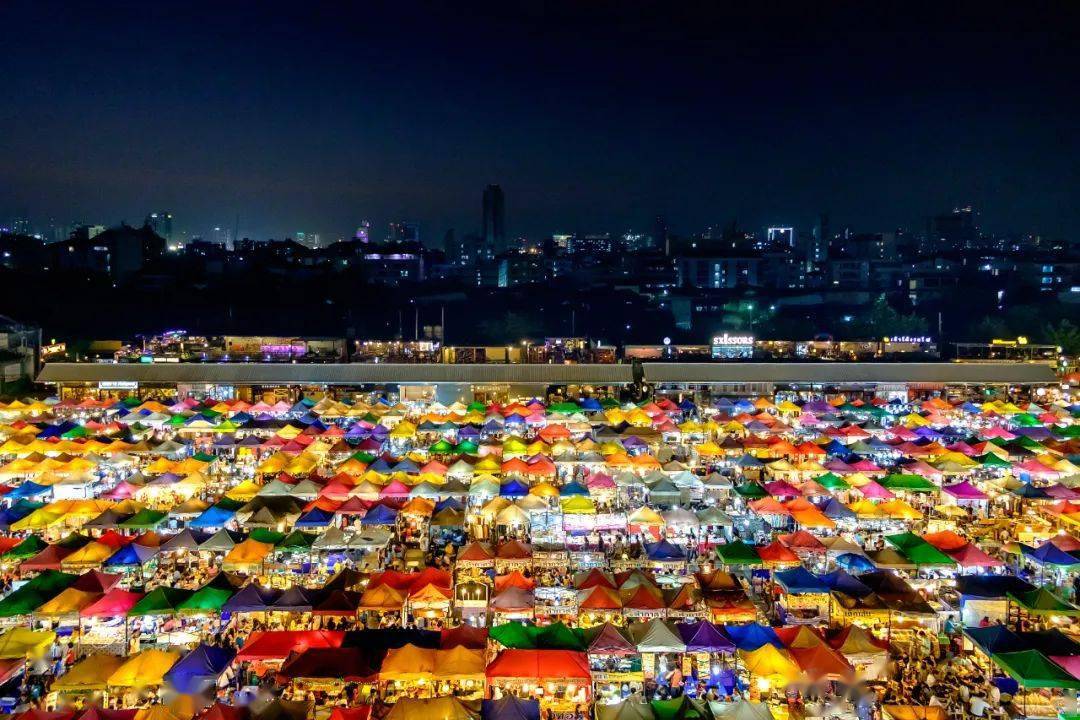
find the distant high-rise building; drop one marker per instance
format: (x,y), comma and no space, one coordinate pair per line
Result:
(954,231)
(781,237)
(309,239)
(404,232)
(21,226)
(494,224)
(161,224)
(661,235)
(817,247)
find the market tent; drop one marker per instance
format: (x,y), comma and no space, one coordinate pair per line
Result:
(510,707)
(1032,669)
(146,669)
(89,674)
(199,669)
(625,710)
(351,664)
(657,636)
(768,661)
(533,664)
(439,708)
(21,642)
(115,603)
(277,644)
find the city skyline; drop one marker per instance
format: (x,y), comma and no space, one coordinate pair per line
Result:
(603,118)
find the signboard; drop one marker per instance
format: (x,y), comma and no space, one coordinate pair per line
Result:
(56,348)
(118,385)
(732,346)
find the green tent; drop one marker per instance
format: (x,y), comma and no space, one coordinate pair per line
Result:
(443,447)
(466,447)
(145,519)
(918,550)
(28,548)
(364,457)
(296,541)
(679,708)
(738,553)
(204,457)
(751,491)
(162,601)
(910,483)
(229,504)
(1032,669)
(520,636)
(476,406)
(993,461)
(1043,602)
(609,403)
(266,535)
(514,635)
(564,408)
(558,636)
(829,481)
(208,599)
(35,593)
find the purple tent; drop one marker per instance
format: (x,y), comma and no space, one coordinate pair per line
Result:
(703,636)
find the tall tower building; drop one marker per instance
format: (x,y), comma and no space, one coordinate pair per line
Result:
(494,227)
(161,224)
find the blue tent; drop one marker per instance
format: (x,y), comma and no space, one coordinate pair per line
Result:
(509,707)
(28,489)
(296,599)
(996,639)
(1029,491)
(514,488)
(590,404)
(18,511)
(664,551)
(451,503)
(1049,554)
(855,563)
(836,510)
(752,636)
(573,488)
(212,517)
(200,669)
(845,582)
(316,517)
(380,515)
(251,598)
(131,554)
(990,587)
(800,581)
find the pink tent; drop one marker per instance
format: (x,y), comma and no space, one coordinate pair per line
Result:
(964,491)
(971,556)
(875,491)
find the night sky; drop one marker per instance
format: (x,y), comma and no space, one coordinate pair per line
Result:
(592,115)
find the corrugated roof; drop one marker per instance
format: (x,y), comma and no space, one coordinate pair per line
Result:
(704,373)
(854,372)
(332,374)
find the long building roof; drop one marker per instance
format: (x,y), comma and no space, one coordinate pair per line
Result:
(658,373)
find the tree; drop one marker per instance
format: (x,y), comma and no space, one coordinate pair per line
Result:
(1065,335)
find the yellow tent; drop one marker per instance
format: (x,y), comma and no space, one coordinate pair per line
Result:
(244,491)
(246,554)
(21,642)
(146,669)
(68,602)
(865,509)
(89,674)
(381,597)
(408,663)
(459,663)
(440,708)
(578,505)
(645,516)
(92,554)
(900,510)
(403,430)
(544,489)
(769,662)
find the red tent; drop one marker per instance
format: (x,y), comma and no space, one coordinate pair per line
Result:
(531,664)
(220,711)
(467,636)
(277,644)
(114,603)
